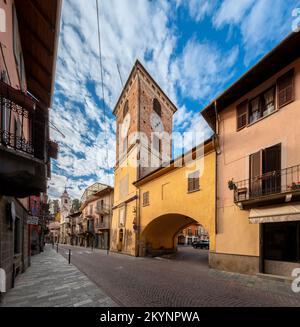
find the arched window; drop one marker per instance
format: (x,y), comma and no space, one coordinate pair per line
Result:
(125,109)
(157,107)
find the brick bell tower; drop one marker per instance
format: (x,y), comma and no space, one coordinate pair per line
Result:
(142,109)
(144,117)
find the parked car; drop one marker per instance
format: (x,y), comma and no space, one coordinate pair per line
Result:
(203,244)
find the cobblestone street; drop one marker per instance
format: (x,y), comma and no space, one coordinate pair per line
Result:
(184,280)
(118,280)
(52,282)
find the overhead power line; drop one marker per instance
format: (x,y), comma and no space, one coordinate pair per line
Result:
(102,88)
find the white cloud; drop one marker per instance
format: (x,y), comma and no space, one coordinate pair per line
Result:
(260,22)
(189,123)
(202,69)
(129,29)
(232,12)
(198,9)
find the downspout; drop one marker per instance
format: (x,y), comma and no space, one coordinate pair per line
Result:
(218,152)
(138,231)
(138,119)
(137,201)
(24,223)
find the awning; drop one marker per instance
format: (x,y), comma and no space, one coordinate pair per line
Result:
(274,214)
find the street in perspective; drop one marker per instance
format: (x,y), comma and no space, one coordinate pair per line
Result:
(149,157)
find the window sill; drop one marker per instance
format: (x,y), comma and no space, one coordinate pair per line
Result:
(258,120)
(146,205)
(189,192)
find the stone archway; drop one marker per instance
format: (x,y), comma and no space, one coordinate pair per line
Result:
(160,235)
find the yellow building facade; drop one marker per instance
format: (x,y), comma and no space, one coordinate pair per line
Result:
(153,203)
(171,207)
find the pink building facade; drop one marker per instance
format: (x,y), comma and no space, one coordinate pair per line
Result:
(256,122)
(28,47)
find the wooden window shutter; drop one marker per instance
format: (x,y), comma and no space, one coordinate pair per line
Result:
(145,198)
(242,114)
(190,183)
(285,88)
(255,172)
(196,181)
(193,182)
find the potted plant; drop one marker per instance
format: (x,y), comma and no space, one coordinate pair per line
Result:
(231,185)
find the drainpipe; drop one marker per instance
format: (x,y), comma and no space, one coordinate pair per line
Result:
(218,152)
(1,199)
(24,223)
(138,231)
(138,119)
(138,221)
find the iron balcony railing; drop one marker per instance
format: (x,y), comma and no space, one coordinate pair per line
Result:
(103,225)
(22,122)
(102,209)
(282,181)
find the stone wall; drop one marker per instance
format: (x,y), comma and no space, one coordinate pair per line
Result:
(242,264)
(9,261)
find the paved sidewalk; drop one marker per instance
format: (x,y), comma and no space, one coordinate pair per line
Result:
(52,282)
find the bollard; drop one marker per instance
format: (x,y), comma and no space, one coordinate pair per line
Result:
(52,245)
(69,256)
(57,247)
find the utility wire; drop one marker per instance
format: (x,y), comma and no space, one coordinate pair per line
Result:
(56,129)
(121,80)
(102,87)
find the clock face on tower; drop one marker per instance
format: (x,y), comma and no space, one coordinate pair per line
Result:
(156,123)
(125,125)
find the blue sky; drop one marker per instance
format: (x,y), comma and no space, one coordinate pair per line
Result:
(194,50)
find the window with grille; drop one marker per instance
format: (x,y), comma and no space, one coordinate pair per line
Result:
(145,199)
(194,182)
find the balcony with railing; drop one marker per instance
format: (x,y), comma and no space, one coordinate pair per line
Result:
(24,145)
(103,209)
(102,224)
(269,188)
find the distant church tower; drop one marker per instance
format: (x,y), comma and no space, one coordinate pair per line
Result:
(65,205)
(144,117)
